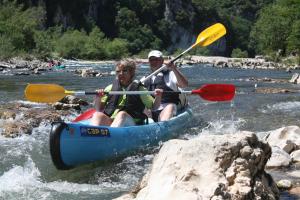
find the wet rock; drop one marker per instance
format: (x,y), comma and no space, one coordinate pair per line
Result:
(18,119)
(70,99)
(12,129)
(7,114)
(284,184)
(64,106)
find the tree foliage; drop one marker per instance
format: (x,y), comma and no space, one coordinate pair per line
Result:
(277,28)
(17,27)
(117,28)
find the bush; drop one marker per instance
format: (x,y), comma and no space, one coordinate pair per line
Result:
(117,49)
(238,53)
(18,27)
(72,44)
(7,49)
(96,45)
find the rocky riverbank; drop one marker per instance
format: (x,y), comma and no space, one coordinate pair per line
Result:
(231,166)
(18,66)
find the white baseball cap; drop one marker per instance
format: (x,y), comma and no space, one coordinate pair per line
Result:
(155,53)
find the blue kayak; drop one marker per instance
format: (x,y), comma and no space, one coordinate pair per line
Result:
(73,144)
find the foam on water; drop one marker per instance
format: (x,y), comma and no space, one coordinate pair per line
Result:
(283,106)
(26,181)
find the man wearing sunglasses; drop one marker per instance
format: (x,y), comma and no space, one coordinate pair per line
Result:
(170,79)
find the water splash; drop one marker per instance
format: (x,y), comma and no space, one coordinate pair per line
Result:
(221,126)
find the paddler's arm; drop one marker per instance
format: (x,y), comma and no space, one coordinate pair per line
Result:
(181,80)
(158,94)
(100,105)
(149,101)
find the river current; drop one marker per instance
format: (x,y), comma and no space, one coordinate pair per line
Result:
(26,169)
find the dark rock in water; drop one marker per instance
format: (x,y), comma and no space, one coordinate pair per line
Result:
(69,99)
(70,102)
(63,106)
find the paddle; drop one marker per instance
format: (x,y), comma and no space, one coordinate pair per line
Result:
(50,93)
(211,92)
(205,38)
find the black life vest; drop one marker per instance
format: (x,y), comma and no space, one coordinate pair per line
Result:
(133,103)
(159,82)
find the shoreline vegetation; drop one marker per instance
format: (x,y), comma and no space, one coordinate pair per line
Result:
(128,28)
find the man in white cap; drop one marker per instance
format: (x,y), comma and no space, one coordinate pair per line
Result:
(169,79)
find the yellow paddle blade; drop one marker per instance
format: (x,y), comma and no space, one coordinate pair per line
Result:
(210,35)
(44,93)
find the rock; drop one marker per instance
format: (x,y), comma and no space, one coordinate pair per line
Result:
(295,155)
(70,99)
(18,119)
(227,166)
(294,78)
(279,158)
(287,138)
(284,184)
(12,129)
(64,106)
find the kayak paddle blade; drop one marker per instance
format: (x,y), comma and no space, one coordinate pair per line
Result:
(210,34)
(44,93)
(86,115)
(216,92)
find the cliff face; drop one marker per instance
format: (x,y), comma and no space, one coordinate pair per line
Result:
(181,37)
(182,16)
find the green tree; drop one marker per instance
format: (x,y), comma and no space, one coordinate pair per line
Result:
(19,25)
(72,44)
(96,45)
(293,41)
(272,31)
(139,37)
(116,49)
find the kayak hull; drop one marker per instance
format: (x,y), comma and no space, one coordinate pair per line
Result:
(73,144)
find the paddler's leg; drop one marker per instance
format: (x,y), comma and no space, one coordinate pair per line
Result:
(122,119)
(99,118)
(168,112)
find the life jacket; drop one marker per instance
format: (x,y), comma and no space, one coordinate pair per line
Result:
(133,103)
(159,82)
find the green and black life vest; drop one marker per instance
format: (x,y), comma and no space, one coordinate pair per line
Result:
(159,82)
(133,103)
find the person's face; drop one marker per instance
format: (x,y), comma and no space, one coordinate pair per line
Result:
(155,63)
(124,75)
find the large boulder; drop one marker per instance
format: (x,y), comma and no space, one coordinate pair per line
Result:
(209,167)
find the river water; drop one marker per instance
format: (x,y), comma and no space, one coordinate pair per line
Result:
(26,169)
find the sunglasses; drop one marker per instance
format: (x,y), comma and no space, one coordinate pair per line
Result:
(124,71)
